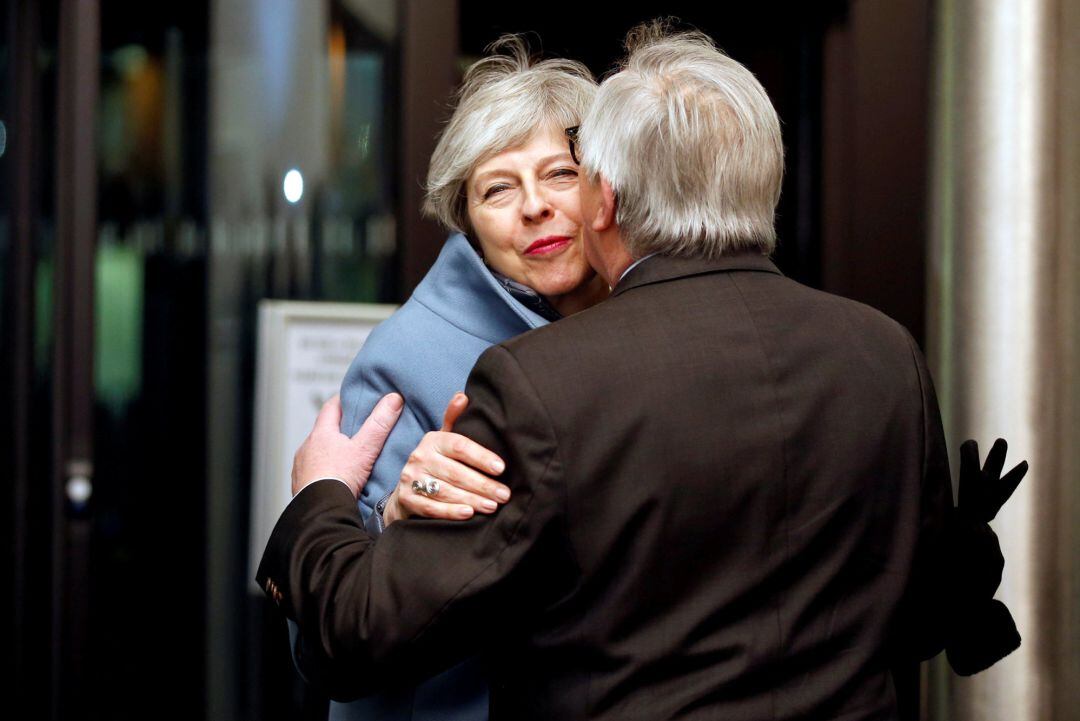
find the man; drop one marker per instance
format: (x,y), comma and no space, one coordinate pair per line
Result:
(730,491)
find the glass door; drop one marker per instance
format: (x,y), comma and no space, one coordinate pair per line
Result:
(244,150)
(163,167)
(33,617)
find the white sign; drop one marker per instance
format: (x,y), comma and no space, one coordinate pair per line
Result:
(304,350)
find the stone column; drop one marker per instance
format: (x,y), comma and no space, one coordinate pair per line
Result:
(1004,321)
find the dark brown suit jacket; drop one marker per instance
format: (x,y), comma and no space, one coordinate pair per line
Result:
(728,499)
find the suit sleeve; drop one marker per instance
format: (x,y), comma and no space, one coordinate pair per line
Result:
(924,623)
(429,593)
(365,383)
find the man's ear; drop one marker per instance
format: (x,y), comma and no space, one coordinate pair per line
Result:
(605,211)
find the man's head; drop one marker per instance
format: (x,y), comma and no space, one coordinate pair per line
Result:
(685,145)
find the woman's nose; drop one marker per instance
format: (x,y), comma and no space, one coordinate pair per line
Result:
(536,207)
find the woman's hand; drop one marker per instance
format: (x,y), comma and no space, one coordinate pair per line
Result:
(448,476)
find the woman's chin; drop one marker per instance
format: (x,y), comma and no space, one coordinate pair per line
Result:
(555,287)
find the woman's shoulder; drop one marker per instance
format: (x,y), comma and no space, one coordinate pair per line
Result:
(414,329)
(416,353)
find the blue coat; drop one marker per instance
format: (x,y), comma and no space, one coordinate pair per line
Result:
(425,352)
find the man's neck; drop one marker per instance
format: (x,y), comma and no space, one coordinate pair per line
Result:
(613,258)
(584,296)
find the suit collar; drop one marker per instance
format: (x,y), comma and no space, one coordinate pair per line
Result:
(660,268)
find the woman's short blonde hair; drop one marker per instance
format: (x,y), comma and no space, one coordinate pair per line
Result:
(504,99)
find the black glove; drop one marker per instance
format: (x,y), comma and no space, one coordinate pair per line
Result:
(982,631)
(984,492)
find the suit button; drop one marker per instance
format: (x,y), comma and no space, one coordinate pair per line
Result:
(272,591)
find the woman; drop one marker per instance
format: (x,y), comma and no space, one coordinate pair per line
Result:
(502,176)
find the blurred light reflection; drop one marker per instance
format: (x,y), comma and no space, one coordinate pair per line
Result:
(293,186)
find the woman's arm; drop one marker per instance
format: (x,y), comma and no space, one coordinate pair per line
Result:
(447,475)
(367,380)
(414,453)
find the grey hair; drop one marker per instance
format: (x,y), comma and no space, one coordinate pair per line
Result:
(504,99)
(690,143)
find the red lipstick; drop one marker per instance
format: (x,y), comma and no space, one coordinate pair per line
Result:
(548,245)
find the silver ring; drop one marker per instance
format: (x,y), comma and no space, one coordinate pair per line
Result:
(426,487)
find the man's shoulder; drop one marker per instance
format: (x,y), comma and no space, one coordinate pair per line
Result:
(633,322)
(865,319)
(857,309)
(572,331)
(801,304)
(566,362)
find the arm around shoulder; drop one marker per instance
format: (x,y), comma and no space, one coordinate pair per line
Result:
(376,615)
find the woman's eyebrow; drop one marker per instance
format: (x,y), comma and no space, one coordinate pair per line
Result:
(491,173)
(496,172)
(564,155)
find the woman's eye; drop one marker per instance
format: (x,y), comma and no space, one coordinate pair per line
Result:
(495,190)
(564,173)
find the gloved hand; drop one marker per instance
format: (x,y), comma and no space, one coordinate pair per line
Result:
(984,492)
(982,630)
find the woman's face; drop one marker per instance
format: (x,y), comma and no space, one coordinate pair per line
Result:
(524,210)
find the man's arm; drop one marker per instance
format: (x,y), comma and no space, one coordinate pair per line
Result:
(924,622)
(429,593)
(332,448)
(958,561)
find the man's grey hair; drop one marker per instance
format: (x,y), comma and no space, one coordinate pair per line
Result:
(690,143)
(504,99)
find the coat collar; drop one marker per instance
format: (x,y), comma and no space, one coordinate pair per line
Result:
(660,268)
(461,290)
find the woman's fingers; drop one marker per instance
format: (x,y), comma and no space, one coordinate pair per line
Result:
(453,494)
(415,504)
(454,409)
(461,468)
(469,452)
(456,484)
(467,479)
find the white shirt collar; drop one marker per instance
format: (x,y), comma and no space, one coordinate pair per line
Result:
(633,265)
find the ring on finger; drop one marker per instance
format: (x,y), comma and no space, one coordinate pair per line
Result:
(426,487)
